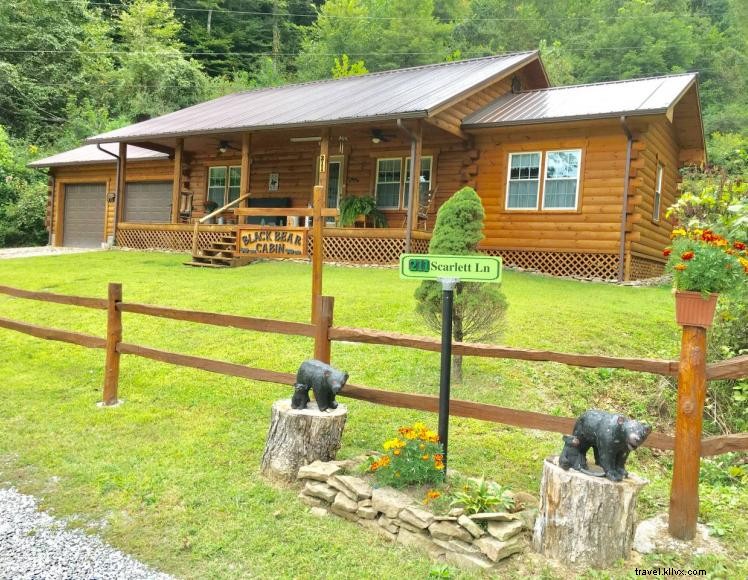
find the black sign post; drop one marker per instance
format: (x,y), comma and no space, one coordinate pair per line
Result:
(448,286)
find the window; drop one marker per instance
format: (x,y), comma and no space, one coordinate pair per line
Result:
(389,174)
(560,183)
(424,183)
(392,187)
(224,184)
(561,179)
(523,181)
(657,194)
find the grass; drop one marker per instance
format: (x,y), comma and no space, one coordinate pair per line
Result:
(172,475)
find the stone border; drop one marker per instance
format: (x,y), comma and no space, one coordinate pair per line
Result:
(457,539)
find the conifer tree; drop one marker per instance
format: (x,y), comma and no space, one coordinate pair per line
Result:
(479,309)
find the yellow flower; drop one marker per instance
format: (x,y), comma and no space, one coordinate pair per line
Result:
(425,457)
(678,232)
(393,444)
(396,452)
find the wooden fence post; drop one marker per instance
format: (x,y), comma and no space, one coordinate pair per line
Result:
(684,488)
(113,338)
(322,343)
(318,250)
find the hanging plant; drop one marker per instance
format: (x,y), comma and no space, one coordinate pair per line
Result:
(353,206)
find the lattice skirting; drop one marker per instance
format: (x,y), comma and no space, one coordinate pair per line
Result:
(643,268)
(577,264)
(361,250)
(166,240)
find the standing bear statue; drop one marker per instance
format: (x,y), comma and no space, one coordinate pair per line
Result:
(324,380)
(611,436)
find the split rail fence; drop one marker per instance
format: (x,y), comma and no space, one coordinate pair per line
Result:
(324,333)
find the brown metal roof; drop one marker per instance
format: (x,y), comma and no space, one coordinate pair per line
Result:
(598,100)
(410,92)
(91,155)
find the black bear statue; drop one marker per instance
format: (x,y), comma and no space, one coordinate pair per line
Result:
(611,436)
(324,380)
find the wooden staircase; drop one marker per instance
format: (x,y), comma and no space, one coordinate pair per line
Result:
(219,255)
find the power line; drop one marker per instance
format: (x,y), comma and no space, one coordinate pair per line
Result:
(390,18)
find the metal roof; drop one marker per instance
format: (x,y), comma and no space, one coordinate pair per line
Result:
(632,97)
(91,155)
(409,92)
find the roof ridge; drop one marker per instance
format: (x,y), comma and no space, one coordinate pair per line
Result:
(383,72)
(694,74)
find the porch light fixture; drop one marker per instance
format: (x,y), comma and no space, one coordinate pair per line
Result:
(224,146)
(377,136)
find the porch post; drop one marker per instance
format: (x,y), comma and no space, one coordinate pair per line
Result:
(176,188)
(416,145)
(324,162)
(246,168)
(121,186)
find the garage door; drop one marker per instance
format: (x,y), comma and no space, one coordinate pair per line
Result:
(85,209)
(149,201)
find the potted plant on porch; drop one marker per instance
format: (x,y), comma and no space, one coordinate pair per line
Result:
(351,207)
(703,265)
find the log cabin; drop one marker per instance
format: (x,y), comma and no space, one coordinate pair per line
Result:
(574,180)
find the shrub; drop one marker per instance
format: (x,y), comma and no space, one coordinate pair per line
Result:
(478,496)
(413,458)
(479,309)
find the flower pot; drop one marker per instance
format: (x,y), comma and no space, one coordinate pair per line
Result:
(692,309)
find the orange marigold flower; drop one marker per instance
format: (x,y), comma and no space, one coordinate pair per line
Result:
(687,255)
(439,466)
(667,251)
(739,246)
(680,267)
(438,457)
(431,495)
(396,452)
(425,457)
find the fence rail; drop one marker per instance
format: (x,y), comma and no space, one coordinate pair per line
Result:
(324,334)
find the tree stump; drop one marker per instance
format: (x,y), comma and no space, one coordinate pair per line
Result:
(584,520)
(298,437)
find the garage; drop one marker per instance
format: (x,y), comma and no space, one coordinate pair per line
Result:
(85,209)
(148,201)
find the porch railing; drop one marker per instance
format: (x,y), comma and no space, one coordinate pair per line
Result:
(211,215)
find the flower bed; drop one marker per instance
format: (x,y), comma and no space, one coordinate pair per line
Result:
(477,541)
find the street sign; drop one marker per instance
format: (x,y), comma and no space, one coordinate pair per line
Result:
(466,268)
(449,270)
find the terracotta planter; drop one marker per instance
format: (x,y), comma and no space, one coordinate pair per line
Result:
(692,309)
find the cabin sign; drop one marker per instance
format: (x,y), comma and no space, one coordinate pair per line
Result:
(269,242)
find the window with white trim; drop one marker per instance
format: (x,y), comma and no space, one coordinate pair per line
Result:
(224,184)
(657,193)
(559,187)
(424,184)
(389,178)
(523,181)
(561,184)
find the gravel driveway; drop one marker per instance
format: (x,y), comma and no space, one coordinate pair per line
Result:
(34,545)
(8,253)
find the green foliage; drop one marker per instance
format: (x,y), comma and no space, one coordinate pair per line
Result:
(728,470)
(413,458)
(352,206)
(478,496)
(23,196)
(479,309)
(712,200)
(345,68)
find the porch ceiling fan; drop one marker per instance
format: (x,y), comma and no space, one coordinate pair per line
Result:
(379,136)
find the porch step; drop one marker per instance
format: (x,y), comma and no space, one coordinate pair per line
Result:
(219,255)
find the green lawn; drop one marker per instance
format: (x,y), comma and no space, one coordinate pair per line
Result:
(172,475)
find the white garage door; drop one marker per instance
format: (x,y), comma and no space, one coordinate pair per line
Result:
(148,201)
(85,209)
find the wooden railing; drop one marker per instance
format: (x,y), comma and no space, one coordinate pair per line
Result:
(213,214)
(324,334)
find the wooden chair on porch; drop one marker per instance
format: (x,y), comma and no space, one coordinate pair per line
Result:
(185,207)
(426,201)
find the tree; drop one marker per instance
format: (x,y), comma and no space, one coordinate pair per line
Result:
(345,68)
(479,309)
(387,35)
(154,76)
